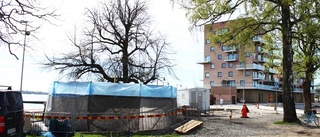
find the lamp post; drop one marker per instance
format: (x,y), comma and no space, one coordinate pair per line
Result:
(24,50)
(244,84)
(276,87)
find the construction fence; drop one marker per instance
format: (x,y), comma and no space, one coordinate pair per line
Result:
(68,124)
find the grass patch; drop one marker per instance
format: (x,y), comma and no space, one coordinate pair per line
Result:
(284,123)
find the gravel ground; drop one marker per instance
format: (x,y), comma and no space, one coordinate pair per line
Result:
(260,123)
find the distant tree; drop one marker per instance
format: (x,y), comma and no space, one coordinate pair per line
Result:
(119,47)
(307,51)
(305,46)
(13,17)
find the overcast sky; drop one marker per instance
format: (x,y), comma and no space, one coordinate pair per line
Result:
(169,20)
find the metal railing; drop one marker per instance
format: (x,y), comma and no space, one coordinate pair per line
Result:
(56,123)
(66,124)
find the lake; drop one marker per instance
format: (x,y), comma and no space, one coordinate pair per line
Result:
(34,97)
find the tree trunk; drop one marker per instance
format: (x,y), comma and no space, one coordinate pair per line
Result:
(306,91)
(289,109)
(125,67)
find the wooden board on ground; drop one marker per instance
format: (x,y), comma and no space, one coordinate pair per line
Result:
(188,126)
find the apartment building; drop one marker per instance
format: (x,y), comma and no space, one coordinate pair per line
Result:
(236,80)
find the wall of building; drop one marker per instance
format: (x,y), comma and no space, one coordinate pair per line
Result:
(255,96)
(262,96)
(228,94)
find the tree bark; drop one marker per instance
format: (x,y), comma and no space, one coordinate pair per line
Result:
(125,66)
(306,91)
(289,109)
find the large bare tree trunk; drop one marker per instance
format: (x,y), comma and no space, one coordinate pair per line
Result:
(289,110)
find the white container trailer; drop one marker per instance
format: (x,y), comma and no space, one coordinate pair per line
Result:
(194,97)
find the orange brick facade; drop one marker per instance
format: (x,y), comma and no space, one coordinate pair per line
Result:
(228,94)
(228,78)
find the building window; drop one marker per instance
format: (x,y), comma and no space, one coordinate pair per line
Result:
(232,83)
(217,32)
(212,66)
(233,47)
(207,41)
(232,56)
(223,65)
(212,49)
(207,74)
(247,54)
(224,30)
(230,73)
(241,82)
(259,49)
(211,83)
(207,58)
(220,57)
(230,64)
(247,72)
(241,64)
(254,55)
(219,74)
(223,47)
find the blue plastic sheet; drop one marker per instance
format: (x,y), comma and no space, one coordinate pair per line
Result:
(112,89)
(47,134)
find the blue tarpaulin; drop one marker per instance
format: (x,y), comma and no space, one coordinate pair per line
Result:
(112,89)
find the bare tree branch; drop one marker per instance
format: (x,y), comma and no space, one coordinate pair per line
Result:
(11,14)
(119,45)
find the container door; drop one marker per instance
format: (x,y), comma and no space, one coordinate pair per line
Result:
(233,99)
(200,101)
(193,99)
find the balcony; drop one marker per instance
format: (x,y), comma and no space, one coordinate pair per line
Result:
(273,71)
(261,87)
(257,86)
(231,58)
(207,60)
(262,59)
(204,62)
(258,39)
(250,66)
(258,77)
(230,49)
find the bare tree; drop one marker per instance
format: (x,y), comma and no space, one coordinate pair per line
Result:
(120,47)
(14,15)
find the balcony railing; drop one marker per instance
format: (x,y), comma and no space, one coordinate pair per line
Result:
(230,58)
(274,71)
(260,86)
(230,49)
(250,66)
(258,39)
(262,59)
(204,62)
(258,77)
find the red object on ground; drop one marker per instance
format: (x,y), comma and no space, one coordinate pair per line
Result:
(244,111)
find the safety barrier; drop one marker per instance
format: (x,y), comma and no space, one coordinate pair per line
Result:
(57,123)
(66,123)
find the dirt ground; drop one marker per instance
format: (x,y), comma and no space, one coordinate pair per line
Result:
(261,120)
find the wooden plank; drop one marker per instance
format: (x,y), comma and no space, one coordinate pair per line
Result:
(188,126)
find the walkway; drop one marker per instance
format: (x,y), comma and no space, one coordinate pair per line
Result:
(263,107)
